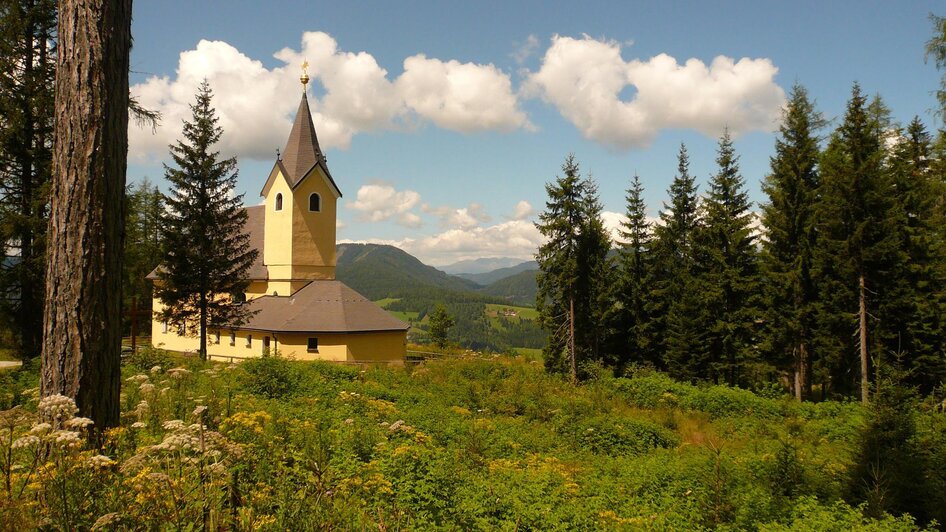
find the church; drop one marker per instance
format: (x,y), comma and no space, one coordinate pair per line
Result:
(298,307)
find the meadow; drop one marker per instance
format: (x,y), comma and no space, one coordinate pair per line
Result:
(477,443)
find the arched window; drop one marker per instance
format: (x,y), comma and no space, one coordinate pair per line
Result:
(279,202)
(315,202)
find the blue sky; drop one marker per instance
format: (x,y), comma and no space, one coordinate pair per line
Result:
(442,121)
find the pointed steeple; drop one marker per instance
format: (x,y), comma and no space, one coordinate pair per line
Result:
(302,149)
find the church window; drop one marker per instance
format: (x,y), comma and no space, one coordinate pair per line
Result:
(249,340)
(279,202)
(217,337)
(266,345)
(315,202)
(232,337)
(313,345)
(165,328)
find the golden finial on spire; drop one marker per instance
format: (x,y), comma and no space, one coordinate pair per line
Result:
(305,73)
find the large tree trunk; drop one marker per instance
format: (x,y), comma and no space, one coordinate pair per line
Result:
(862,318)
(82,319)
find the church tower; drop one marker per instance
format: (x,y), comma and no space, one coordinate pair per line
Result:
(300,205)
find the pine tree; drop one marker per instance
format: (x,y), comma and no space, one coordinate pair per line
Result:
(674,303)
(857,243)
(208,251)
(788,246)
(144,246)
(82,313)
(440,324)
(27,67)
(914,311)
(728,280)
(573,271)
(631,321)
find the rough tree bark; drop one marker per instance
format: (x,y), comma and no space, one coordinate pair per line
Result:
(82,317)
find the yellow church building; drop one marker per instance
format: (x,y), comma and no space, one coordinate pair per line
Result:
(298,307)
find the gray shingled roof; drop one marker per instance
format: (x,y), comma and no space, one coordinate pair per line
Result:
(321,306)
(303,153)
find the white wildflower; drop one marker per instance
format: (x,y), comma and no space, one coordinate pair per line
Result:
(137,379)
(107,521)
(155,370)
(57,406)
(396,425)
(146,388)
(199,410)
(178,372)
(40,429)
(138,425)
(66,438)
(101,461)
(78,423)
(349,421)
(25,441)
(174,424)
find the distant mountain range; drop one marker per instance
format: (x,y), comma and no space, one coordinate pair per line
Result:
(481,265)
(380,271)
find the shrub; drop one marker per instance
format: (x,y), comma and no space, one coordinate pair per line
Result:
(270,376)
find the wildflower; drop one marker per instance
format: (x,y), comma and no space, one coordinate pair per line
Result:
(25,441)
(101,461)
(155,370)
(57,406)
(40,429)
(66,438)
(138,425)
(178,372)
(107,521)
(349,421)
(174,424)
(137,379)
(396,425)
(146,388)
(199,410)
(78,423)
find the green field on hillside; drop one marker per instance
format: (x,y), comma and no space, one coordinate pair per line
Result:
(498,315)
(471,444)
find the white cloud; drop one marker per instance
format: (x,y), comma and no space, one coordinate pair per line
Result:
(255,104)
(526,49)
(583,79)
(380,201)
(464,218)
(522,210)
(514,238)
(612,223)
(463,97)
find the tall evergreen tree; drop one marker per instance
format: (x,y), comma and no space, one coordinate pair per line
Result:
(573,271)
(27,68)
(208,251)
(728,279)
(914,325)
(675,303)
(82,313)
(144,245)
(788,246)
(857,243)
(631,320)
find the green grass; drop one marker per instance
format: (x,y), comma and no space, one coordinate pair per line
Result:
(496,314)
(529,353)
(6,355)
(407,316)
(489,443)
(383,303)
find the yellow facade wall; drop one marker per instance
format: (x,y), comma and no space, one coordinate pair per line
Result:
(277,243)
(381,346)
(313,233)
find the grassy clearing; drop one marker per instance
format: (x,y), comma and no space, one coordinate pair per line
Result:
(472,444)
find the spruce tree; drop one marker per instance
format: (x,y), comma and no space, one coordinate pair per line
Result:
(788,246)
(144,245)
(27,68)
(208,251)
(573,272)
(728,279)
(675,303)
(857,244)
(631,320)
(914,312)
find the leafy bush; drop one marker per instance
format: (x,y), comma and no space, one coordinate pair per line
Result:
(148,357)
(270,376)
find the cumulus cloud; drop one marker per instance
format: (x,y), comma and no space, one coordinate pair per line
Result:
(525,49)
(583,78)
(464,218)
(379,201)
(463,97)
(514,238)
(612,223)
(522,211)
(255,104)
